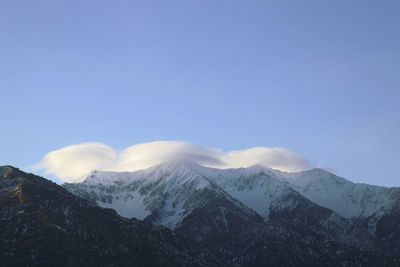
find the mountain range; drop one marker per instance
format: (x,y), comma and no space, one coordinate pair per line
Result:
(42,224)
(183,214)
(249,216)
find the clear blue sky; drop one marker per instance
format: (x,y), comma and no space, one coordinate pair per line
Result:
(321,78)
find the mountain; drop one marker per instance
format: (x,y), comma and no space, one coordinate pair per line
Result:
(377,208)
(42,224)
(348,199)
(248,216)
(162,195)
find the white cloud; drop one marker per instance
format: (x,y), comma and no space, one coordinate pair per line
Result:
(275,157)
(149,154)
(73,162)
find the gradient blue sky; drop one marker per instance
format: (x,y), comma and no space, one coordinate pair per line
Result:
(320,78)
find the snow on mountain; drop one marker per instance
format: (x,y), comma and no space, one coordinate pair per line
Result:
(255,186)
(343,196)
(167,193)
(163,194)
(41,224)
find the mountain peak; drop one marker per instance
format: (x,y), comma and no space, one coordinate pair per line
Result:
(63,229)
(177,164)
(260,168)
(318,170)
(318,173)
(176,167)
(8,171)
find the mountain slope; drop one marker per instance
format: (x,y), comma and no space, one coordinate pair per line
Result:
(346,198)
(237,213)
(42,224)
(164,194)
(262,190)
(388,230)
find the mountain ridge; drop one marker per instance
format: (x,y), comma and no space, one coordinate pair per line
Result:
(163,192)
(289,179)
(299,233)
(42,224)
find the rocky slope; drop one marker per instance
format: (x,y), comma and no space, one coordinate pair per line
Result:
(42,224)
(240,213)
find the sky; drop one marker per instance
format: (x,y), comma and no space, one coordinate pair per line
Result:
(318,79)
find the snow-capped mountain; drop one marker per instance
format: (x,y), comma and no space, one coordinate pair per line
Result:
(228,209)
(166,193)
(343,196)
(163,194)
(165,190)
(42,224)
(254,186)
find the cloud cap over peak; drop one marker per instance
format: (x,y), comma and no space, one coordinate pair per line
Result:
(73,162)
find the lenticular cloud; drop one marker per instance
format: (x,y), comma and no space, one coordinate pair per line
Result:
(74,162)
